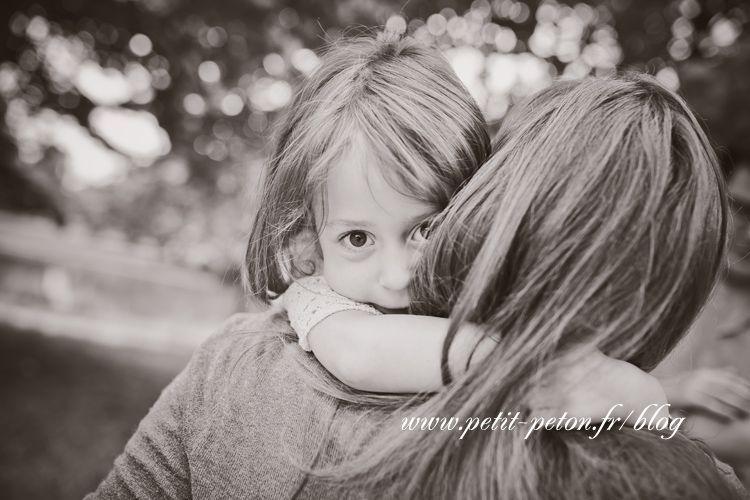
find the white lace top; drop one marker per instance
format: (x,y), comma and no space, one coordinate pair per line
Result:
(308,301)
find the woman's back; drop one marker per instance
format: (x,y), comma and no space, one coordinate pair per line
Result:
(630,464)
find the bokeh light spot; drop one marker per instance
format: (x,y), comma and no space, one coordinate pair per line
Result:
(586,13)
(232,104)
(546,13)
(481,7)
(223,129)
(37,29)
(668,76)
(690,8)
(270,95)
(505,40)
(194,104)
(725,32)
(436,24)
(396,24)
(174,171)
(457,28)
(18,24)
(160,79)
(209,72)
(274,64)
(543,42)
(682,28)
(304,60)
(288,18)
(216,36)
(679,49)
(200,143)
(140,45)
(257,122)
(216,150)
(520,13)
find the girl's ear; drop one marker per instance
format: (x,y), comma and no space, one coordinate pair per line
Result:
(303,254)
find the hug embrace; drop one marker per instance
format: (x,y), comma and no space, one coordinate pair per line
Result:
(416,268)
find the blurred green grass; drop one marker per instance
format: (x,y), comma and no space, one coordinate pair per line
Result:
(68,407)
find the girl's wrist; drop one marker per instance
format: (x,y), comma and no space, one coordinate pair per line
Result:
(469,346)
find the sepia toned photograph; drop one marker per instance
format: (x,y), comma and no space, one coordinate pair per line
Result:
(367,249)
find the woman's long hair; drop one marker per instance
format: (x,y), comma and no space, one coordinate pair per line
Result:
(601,219)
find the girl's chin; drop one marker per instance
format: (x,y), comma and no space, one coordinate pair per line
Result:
(386,310)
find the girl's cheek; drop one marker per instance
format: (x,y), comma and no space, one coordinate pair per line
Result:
(349,279)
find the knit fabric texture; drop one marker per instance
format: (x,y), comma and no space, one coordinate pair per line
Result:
(310,300)
(234,422)
(240,421)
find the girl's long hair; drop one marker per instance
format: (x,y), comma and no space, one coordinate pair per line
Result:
(601,219)
(402,99)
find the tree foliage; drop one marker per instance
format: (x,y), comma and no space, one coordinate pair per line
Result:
(150,117)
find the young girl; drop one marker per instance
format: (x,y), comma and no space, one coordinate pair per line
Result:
(374,145)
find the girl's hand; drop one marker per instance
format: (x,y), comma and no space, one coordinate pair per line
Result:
(596,386)
(719,392)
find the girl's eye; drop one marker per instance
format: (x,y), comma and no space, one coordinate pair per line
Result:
(357,239)
(422,232)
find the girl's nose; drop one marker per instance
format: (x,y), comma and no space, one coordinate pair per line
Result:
(396,272)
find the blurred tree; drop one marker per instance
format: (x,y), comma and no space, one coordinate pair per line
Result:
(149,117)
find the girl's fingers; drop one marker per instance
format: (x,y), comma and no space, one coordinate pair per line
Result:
(731,372)
(739,401)
(736,385)
(727,403)
(719,409)
(741,391)
(723,378)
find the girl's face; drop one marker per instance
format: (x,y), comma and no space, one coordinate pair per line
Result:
(370,234)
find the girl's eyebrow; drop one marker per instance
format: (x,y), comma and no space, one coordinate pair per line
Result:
(347,224)
(423,217)
(364,224)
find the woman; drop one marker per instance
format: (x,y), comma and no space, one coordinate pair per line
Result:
(599,221)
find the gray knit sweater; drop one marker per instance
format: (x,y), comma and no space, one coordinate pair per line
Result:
(235,421)
(230,425)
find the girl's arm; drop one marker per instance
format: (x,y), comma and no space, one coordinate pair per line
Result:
(402,353)
(369,351)
(396,353)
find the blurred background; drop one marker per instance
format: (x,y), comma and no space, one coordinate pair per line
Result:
(133,136)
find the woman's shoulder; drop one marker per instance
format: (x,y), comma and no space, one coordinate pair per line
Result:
(246,345)
(236,327)
(243,332)
(251,361)
(731,477)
